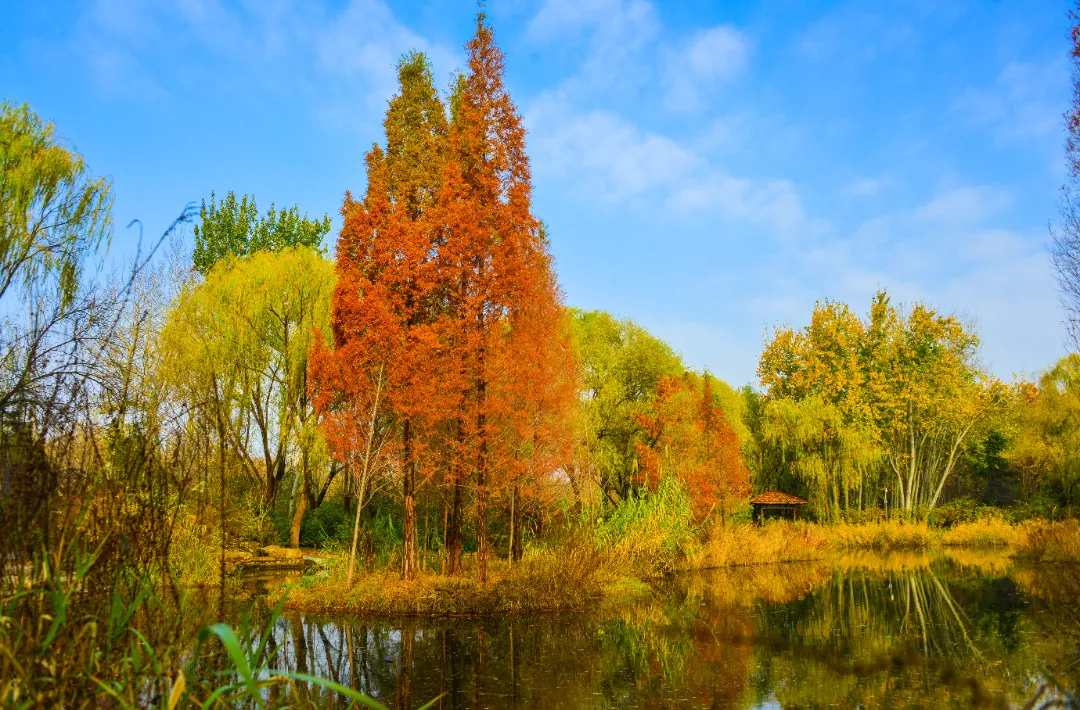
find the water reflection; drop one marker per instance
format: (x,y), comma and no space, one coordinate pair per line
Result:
(898,631)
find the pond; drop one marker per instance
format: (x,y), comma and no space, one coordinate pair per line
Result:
(901,630)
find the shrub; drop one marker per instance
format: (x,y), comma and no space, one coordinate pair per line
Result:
(744,544)
(957,511)
(651,530)
(988,531)
(1050,542)
(328,523)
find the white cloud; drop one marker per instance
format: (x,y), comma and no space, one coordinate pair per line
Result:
(617,37)
(864,187)
(712,56)
(601,155)
(773,203)
(126,45)
(613,158)
(1026,101)
(965,205)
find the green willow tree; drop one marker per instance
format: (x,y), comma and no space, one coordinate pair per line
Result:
(234,228)
(1046,449)
(238,343)
(621,367)
(52,211)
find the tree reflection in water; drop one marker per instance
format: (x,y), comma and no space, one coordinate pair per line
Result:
(871,631)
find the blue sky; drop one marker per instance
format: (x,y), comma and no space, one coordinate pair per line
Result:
(708,169)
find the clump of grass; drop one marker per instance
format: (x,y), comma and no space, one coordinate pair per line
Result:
(987,531)
(568,576)
(739,545)
(881,535)
(1044,541)
(194,558)
(649,532)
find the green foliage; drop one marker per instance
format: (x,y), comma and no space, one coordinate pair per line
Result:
(234,228)
(52,212)
(895,399)
(957,511)
(652,528)
(621,366)
(236,347)
(329,523)
(387,534)
(1046,450)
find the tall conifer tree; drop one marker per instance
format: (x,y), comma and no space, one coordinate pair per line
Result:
(387,292)
(495,261)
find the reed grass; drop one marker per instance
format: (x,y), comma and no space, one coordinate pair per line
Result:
(741,545)
(1056,542)
(583,568)
(62,647)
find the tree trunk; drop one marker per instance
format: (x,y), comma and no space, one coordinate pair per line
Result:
(452,531)
(297,520)
(273,477)
(515,526)
(302,503)
(365,472)
(408,552)
(481,480)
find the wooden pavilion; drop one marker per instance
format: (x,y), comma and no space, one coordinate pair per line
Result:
(776,504)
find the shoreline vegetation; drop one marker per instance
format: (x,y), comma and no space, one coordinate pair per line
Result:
(420,396)
(577,576)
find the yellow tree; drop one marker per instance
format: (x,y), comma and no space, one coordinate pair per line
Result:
(819,408)
(1046,449)
(237,344)
(907,386)
(932,397)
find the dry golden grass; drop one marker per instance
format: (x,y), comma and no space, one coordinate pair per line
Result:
(570,577)
(983,533)
(898,535)
(880,535)
(1042,541)
(576,574)
(738,545)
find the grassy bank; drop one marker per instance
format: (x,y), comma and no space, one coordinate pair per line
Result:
(584,570)
(573,576)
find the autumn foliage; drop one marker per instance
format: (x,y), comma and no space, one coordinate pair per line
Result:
(688,435)
(446,308)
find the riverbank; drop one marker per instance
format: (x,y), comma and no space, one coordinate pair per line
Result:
(567,579)
(577,575)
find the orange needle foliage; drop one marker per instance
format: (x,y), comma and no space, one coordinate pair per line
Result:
(386,299)
(498,271)
(446,289)
(689,436)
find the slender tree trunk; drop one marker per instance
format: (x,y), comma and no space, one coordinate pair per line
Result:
(364,474)
(408,552)
(481,490)
(510,542)
(452,525)
(274,474)
(301,503)
(515,526)
(909,493)
(297,520)
(221,504)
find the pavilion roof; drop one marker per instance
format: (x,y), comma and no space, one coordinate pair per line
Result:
(776,497)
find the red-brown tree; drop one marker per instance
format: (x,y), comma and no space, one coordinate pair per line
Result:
(688,435)
(497,269)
